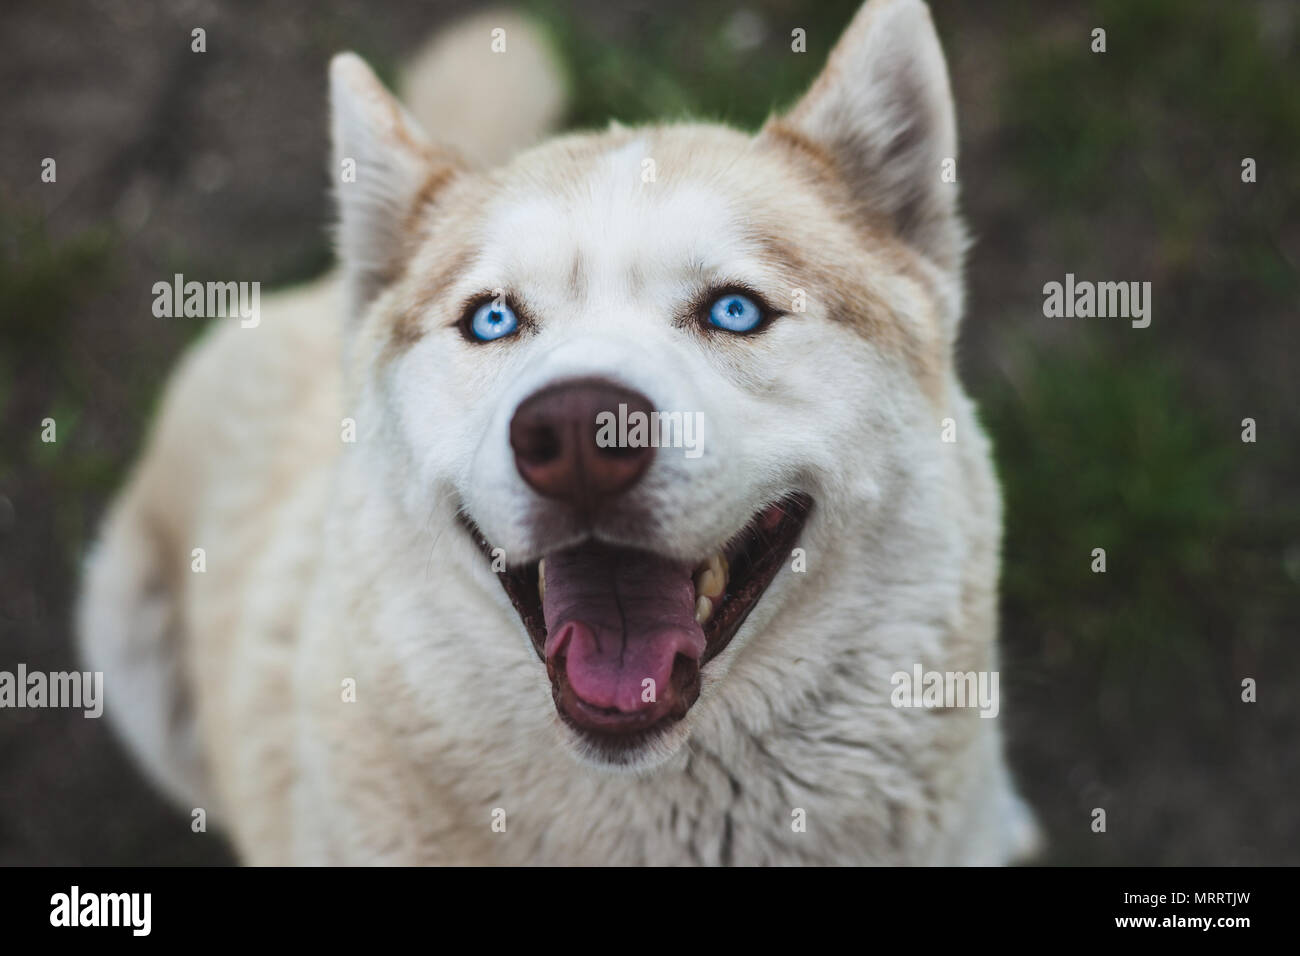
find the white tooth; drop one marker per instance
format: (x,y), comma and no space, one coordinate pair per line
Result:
(541,578)
(703,609)
(711,579)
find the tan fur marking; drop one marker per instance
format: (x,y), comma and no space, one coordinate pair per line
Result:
(848,299)
(854,301)
(409,326)
(424,197)
(780,131)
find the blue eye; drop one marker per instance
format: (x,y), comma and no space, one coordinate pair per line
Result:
(735,313)
(493,320)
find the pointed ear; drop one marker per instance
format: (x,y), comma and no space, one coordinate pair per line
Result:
(384,168)
(882,111)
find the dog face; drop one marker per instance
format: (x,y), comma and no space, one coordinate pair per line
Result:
(649,371)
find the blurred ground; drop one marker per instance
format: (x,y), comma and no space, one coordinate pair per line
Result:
(1122,690)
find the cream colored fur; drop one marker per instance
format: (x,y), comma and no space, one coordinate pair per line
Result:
(329,561)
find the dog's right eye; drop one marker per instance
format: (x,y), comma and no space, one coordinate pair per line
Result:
(733,311)
(492,320)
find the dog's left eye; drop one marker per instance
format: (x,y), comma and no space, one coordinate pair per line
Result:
(735,313)
(493,320)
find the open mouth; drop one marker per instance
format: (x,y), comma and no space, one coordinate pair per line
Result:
(624,632)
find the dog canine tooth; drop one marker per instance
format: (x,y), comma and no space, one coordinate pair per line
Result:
(541,578)
(703,609)
(711,579)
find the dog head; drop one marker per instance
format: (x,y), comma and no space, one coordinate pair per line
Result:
(654,374)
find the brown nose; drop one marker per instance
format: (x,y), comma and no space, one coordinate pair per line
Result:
(554,435)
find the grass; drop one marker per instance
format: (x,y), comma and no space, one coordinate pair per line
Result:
(43,282)
(1112,454)
(1119,442)
(687,64)
(1160,124)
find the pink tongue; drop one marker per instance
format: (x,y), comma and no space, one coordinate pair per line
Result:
(619,617)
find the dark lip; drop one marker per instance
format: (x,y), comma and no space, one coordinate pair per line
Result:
(754,555)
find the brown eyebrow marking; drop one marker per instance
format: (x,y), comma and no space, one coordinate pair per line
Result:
(409,325)
(424,197)
(848,299)
(793,141)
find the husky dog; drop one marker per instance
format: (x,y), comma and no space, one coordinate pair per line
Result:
(440,615)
